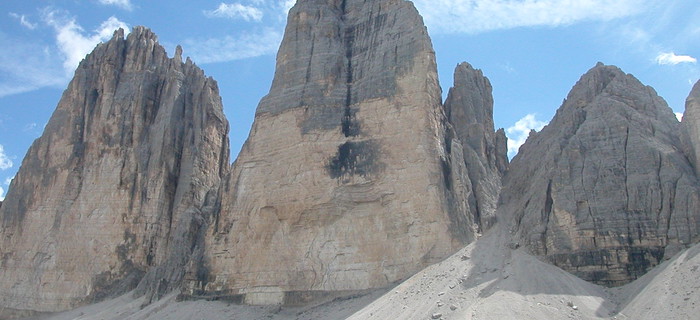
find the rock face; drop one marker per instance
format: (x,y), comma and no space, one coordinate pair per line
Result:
(127,170)
(345,181)
(354,176)
(469,108)
(691,127)
(604,191)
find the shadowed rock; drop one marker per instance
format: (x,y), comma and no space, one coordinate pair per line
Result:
(603,191)
(469,107)
(691,127)
(123,178)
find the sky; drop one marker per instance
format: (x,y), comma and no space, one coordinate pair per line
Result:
(533,52)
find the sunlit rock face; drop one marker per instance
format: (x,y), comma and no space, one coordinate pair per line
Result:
(128,166)
(347,180)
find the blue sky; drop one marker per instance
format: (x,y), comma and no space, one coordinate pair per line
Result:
(533,51)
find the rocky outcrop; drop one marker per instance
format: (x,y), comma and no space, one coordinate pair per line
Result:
(469,108)
(345,180)
(354,176)
(122,181)
(604,191)
(691,127)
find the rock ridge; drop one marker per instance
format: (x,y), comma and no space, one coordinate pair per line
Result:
(355,174)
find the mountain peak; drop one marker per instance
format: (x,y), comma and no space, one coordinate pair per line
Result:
(591,169)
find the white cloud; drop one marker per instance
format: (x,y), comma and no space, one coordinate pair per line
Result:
(5,162)
(231,48)
(679,116)
(288,4)
(2,190)
(673,59)
(476,16)
(518,133)
(27,65)
(235,10)
(124,4)
(24,21)
(71,39)
(30,127)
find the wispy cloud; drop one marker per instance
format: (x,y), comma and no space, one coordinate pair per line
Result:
(235,11)
(29,65)
(124,4)
(231,48)
(5,162)
(2,189)
(288,4)
(72,40)
(24,21)
(679,116)
(518,133)
(26,66)
(476,16)
(670,58)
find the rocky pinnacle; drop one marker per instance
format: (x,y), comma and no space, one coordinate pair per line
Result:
(603,191)
(126,172)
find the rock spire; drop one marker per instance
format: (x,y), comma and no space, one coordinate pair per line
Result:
(344,182)
(469,108)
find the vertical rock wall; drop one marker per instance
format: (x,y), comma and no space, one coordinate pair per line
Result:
(604,190)
(128,166)
(469,108)
(691,127)
(343,183)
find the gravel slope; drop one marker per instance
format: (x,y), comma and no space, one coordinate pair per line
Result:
(485,280)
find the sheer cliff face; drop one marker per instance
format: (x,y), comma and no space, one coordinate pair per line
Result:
(341,185)
(604,191)
(129,164)
(691,127)
(469,108)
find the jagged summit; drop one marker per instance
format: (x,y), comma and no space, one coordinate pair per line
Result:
(127,170)
(354,177)
(604,191)
(333,192)
(469,109)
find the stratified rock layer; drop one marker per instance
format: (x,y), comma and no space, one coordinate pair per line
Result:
(127,170)
(604,191)
(344,181)
(469,108)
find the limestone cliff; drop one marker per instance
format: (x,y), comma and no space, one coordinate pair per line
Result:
(469,108)
(127,170)
(344,181)
(691,127)
(604,191)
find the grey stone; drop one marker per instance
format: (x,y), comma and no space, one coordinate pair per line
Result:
(469,108)
(691,127)
(347,181)
(122,182)
(604,188)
